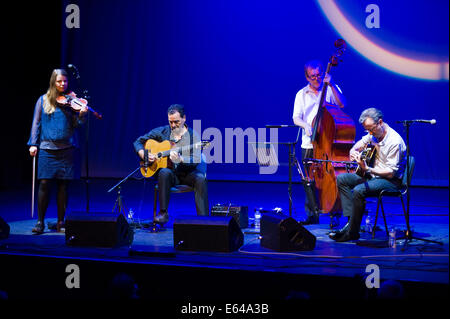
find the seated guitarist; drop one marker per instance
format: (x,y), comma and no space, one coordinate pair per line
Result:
(386,173)
(188,167)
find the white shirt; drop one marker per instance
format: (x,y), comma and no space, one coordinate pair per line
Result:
(305,108)
(391,151)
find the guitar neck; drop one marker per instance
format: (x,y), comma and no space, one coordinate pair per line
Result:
(176,149)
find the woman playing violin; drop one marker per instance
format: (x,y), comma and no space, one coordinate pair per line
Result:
(52,140)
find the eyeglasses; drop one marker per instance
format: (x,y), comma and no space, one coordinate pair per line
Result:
(315,76)
(373,128)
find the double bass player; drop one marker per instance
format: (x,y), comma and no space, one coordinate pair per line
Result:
(306,106)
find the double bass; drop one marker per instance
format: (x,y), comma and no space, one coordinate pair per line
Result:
(333,135)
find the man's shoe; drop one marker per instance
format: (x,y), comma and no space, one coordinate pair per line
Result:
(161,218)
(39,228)
(311,220)
(346,236)
(335,235)
(342,230)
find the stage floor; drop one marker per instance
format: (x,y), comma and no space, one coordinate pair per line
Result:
(420,267)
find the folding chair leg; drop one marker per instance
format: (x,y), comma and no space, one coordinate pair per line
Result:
(155,202)
(384,218)
(376,218)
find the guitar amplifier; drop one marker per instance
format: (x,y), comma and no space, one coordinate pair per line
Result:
(239,213)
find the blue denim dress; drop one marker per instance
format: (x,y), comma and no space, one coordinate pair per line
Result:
(54,135)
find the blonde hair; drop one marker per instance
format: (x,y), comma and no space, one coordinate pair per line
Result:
(52,92)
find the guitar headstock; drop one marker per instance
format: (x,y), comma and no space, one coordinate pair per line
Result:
(202,144)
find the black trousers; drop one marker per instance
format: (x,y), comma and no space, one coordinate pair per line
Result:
(353,191)
(307,153)
(196,179)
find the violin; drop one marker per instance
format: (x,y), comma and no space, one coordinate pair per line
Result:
(76,103)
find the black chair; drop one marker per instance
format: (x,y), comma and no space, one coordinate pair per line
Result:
(176,189)
(400,193)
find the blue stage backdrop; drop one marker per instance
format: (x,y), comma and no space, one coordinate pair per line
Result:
(239,64)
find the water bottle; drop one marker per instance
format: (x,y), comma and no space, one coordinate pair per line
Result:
(392,238)
(130,216)
(369,226)
(257,220)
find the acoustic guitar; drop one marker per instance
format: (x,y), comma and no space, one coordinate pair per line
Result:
(368,156)
(162,151)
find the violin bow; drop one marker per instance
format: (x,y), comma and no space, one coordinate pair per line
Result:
(32,186)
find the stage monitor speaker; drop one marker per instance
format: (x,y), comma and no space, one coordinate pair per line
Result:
(283,233)
(97,229)
(4,229)
(207,233)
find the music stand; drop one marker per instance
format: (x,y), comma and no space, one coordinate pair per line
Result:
(408,234)
(292,160)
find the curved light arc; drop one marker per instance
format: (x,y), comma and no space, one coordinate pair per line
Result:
(435,71)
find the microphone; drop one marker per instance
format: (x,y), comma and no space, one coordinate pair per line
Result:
(74,70)
(279,126)
(432,122)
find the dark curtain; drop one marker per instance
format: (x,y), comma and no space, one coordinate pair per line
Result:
(235,64)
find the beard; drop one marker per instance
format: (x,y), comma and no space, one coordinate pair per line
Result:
(177,130)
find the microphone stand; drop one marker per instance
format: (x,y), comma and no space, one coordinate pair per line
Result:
(408,234)
(85,95)
(119,202)
(86,163)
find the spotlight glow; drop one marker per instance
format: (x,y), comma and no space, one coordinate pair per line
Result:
(435,71)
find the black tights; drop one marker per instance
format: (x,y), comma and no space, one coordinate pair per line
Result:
(44,196)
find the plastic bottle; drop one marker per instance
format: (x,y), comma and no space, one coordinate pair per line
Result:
(130,216)
(257,219)
(392,238)
(369,226)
